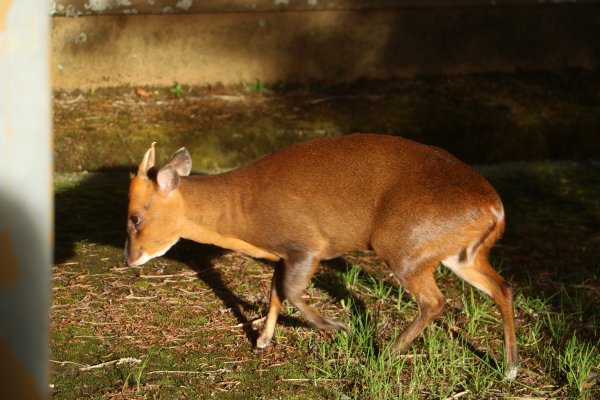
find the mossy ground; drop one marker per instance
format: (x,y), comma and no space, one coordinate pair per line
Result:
(183,325)
(481,119)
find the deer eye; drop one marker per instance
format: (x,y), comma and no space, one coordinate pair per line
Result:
(135,221)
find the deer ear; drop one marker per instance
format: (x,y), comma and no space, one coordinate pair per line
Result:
(182,162)
(167,179)
(147,161)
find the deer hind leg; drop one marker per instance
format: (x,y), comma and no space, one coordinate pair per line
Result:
(421,285)
(478,272)
(299,268)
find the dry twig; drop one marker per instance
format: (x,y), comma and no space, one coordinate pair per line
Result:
(252,323)
(174,372)
(124,360)
(457,395)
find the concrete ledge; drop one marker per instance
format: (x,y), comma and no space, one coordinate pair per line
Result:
(334,46)
(75,8)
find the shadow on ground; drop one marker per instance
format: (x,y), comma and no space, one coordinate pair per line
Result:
(480,119)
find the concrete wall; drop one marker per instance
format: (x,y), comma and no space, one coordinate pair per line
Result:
(75,8)
(336,41)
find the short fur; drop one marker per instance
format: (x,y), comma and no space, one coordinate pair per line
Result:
(414,205)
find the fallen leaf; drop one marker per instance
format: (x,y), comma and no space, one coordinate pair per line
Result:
(141,92)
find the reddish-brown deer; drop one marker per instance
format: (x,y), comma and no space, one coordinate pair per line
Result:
(415,205)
